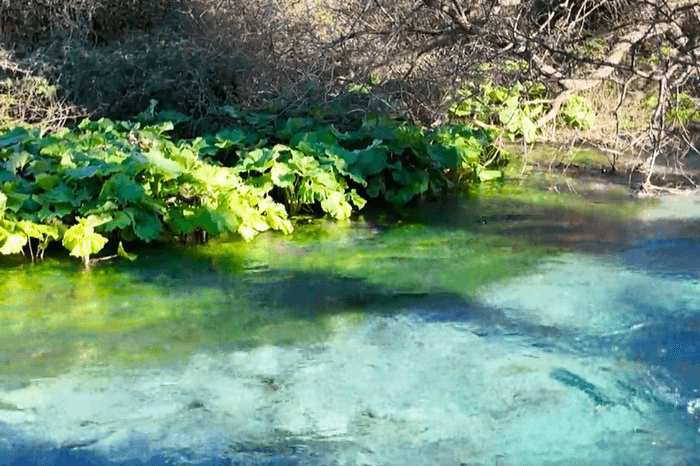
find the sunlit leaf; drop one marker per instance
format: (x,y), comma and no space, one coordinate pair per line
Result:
(247,232)
(11,242)
(489,175)
(163,165)
(281,175)
(17,161)
(356,199)
(81,239)
(277,218)
(122,253)
(336,206)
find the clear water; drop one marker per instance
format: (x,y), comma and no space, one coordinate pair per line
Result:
(518,328)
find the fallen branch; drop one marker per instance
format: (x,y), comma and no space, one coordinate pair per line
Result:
(603,73)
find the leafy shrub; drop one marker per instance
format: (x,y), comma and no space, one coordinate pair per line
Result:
(109,180)
(33,100)
(118,80)
(123,180)
(578,113)
(683,109)
(383,158)
(498,105)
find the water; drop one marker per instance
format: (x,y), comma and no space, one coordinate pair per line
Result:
(519,328)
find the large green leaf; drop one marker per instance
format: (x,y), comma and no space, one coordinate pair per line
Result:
(123,189)
(216,222)
(83,172)
(313,143)
(276,217)
(14,137)
(60,194)
(11,241)
(336,206)
(146,226)
(46,181)
(122,220)
(37,230)
(447,157)
(229,137)
(282,176)
(54,211)
(160,164)
(81,239)
(17,161)
(181,223)
(356,199)
(372,160)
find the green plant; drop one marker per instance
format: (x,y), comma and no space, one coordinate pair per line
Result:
(120,180)
(511,66)
(498,105)
(578,113)
(106,182)
(594,47)
(683,109)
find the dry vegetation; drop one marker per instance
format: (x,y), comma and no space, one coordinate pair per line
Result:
(110,57)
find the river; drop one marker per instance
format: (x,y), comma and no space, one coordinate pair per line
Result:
(517,327)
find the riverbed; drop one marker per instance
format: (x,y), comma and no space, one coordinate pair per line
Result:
(517,327)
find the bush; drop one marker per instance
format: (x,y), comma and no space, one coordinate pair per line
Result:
(118,81)
(125,181)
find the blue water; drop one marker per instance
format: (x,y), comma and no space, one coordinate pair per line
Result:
(586,356)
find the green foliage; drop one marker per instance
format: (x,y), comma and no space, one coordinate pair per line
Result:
(507,109)
(512,112)
(578,113)
(108,181)
(683,109)
(384,159)
(594,47)
(81,239)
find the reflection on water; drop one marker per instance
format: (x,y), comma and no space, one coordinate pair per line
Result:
(512,329)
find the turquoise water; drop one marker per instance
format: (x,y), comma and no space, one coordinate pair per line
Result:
(517,328)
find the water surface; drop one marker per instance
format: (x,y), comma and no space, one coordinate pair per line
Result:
(519,327)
